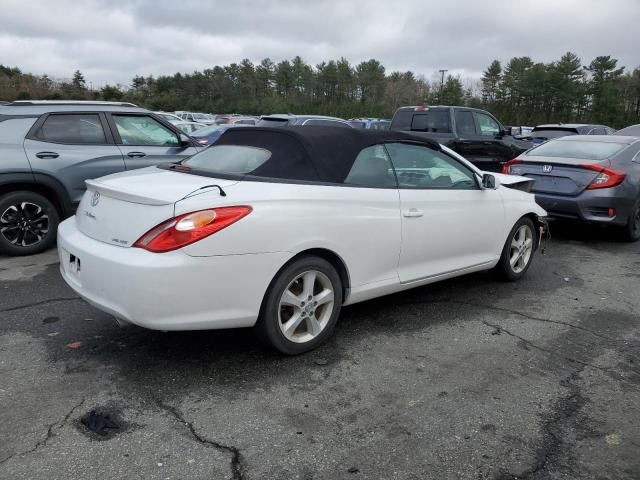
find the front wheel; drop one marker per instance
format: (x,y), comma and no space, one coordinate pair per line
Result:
(301,307)
(518,251)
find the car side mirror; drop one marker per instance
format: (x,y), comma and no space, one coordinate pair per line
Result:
(488,182)
(185,141)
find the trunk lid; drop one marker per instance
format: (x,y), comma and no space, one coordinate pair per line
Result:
(559,176)
(118,209)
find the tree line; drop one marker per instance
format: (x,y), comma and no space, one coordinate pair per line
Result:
(520,92)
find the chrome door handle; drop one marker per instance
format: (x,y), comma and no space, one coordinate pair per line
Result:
(136,154)
(412,213)
(47,155)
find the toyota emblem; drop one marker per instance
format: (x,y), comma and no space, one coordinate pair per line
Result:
(95,199)
(547,168)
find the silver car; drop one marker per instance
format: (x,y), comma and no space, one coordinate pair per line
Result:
(49,149)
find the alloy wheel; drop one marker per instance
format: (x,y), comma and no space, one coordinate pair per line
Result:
(521,249)
(306,306)
(24,224)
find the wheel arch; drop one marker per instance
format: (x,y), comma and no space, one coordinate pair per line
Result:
(43,185)
(535,219)
(330,256)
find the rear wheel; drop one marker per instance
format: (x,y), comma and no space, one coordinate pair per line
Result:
(28,223)
(301,307)
(632,229)
(518,251)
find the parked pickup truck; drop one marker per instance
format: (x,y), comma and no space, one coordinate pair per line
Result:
(475,134)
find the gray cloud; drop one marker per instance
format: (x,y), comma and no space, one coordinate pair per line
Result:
(111,41)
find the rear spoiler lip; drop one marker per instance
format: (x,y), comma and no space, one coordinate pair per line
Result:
(123,195)
(558,162)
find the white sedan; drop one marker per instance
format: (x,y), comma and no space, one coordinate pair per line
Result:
(278,228)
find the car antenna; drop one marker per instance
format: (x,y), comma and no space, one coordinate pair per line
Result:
(222,192)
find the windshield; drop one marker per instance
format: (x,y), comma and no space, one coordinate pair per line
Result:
(271,122)
(577,149)
(199,116)
(205,131)
(229,159)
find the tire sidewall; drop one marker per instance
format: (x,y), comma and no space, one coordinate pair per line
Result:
(504,266)
(630,234)
(54,219)
(267,325)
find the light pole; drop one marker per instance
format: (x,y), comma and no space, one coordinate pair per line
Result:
(442,72)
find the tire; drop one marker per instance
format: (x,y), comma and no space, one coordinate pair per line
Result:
(631,232)
(512,272)
(28,223)
(312,317)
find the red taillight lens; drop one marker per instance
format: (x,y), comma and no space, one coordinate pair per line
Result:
(506,168)
(185,229)
(607,177)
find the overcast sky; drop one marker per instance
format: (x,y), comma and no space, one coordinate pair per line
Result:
(111,40)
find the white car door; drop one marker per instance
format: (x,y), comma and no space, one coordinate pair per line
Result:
(448,222)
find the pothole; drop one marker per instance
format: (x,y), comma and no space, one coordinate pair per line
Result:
(101,424)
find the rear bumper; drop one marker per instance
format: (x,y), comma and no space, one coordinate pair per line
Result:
(590,206)
(167,291)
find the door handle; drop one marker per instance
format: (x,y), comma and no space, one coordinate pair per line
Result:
(136,154)
(412,213)
(47,155)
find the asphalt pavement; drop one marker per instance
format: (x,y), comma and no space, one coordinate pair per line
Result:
(467,379)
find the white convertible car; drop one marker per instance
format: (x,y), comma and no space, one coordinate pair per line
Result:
(278,228)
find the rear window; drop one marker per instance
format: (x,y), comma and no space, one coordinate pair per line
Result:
(433,121)
(246,152)
(549,134)
(577,149)
(229,159)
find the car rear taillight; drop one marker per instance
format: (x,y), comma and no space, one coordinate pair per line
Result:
(185,229)
(506,168)
(607,177)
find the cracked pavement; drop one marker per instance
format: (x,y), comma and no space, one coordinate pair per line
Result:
(467,379)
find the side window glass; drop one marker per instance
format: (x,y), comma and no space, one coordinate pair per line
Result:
(372,168)
(73,129)
(598,131)
(144,130)
(465,123)
(488,126)
(423,168)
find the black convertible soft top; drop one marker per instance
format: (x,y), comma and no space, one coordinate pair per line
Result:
(313,153)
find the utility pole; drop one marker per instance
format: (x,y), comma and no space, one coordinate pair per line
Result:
(442,72)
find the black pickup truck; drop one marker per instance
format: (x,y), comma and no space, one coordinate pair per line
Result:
(475,134)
